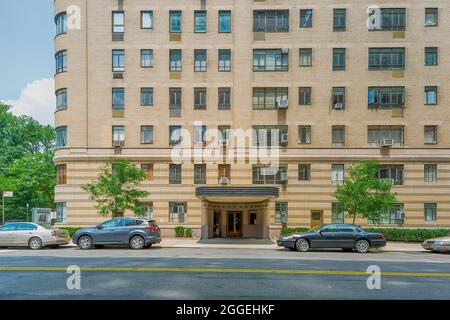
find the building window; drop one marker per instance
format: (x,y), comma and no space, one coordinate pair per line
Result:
(431,56)
(394,215)
(338,98)
(146,134)
(431,17)
(377,134)
(305,57)
(304,172)
(386,97)
(269,175)
(177,212)
(268,98)
(176,60)
(281,212)
(61,174)
(270,60)
(391,19)
(337,213)
(271,21)
(224,98)
(118,25)
(394,172)
(61,61)
(147,168)
(118,60)
(430,211)
(200,98)
(200,21)
(146,97)
(146,58)
(337,174)
(224,171)
(339,20)
(175,21)
(175,97)
(175,136)
(386,58)
(118,135)
(430,172)
(306,16)
(146,19)
(224,21)
(304,134)
(61,23)
(252,218)
(224,134)
(174,173)
(338,135)
(267,136)
(339,55)
(199,135)
(118,98)
(304,96)
(430,134)
(224,60)
(61,212)
(431,95)
(61,99)
(200,60)
(148,210)
(61,137)
(200,174)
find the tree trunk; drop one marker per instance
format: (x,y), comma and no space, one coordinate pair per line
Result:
(354,218)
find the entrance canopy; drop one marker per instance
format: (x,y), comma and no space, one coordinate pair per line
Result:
(237,194)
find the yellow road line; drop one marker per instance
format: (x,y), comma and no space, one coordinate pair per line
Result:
(212,270)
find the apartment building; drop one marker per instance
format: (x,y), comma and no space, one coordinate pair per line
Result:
(339,81)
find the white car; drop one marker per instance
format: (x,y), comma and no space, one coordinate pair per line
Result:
(437,244)
(34,236)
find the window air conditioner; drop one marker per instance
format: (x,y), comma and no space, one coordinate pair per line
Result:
(339,106)
(285,50)
(386,143)
(283,104)
(224,180)
(118,143)
(284,138)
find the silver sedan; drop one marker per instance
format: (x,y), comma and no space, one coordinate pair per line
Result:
(437,244)
(34,236)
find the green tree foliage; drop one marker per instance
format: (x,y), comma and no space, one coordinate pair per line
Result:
(114,191)
(364,194)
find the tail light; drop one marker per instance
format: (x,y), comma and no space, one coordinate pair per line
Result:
(53,233)
(152,228)
(382,236)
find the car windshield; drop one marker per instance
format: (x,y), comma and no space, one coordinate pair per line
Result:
(314,229)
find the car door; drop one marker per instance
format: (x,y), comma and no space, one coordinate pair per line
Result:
(6,232)
(326,237)
(122,233)
(105,233)
(23,233)
(346,236)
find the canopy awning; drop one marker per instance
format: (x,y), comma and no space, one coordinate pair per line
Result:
(237,194)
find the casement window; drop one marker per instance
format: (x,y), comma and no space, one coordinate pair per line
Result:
(146,134)
(61,174)
(175,97)
(146,58)
(338,98)
(386,58)
(200,22)
(431,17)
(386,97)
(339,20)
(395,172)
(430,172)
(305,57)
(200,174)
(394,215)
(306,17)
(61,61)
(271,21)
(61,23)
(304,96)
(224,133)
(269,136)
(175,136)
(270,60)
(377,134)
(268,98)
(176,60)
(118,98)
(224,171)
(224,60)
(431,94)
(148,214)
(147,168)
(430,211)
(224,21)
(199,135)
(146,97)
(304,172)
(175,173)
(177,212)
(430,134)
(281,212)
(431,56)
(61,212)
(389,19)
(304,134)
(339,58)
(118,22)
(252,218)
(61,137)
(61,99)
(224,98)
(338,135)
(118,135)
(200,97)
(337,174)
(269,175)
(175,21)
(200,60)
(146,19)
(337,213)
(118,60)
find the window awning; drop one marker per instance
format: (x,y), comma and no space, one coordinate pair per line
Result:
(237,194)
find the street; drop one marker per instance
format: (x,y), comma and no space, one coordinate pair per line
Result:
(221,273)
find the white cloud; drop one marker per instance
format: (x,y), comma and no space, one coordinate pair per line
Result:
(36,100)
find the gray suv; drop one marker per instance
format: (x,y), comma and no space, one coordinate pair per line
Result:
(135,232)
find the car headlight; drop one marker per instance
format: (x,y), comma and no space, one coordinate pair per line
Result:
(288,238)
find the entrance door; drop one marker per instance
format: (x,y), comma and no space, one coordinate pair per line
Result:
(316,218)
(234,226)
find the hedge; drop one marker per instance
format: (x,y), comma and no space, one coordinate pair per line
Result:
(71,230)
(183,232)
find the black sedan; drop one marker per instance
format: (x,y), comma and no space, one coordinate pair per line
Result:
(333,236)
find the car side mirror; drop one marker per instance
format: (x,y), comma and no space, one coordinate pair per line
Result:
(99,227)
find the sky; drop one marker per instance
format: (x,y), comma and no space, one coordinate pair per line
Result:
(27,32)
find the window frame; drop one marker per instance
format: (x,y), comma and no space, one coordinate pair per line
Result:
(148,128)
(114,25)
(303,14)
(220,30)
(64,104)
(144,12)
(117,57)
(150,91)
(61,61)
(147,52)
(200,14)
(61,132)
(172,15)
(337,13)
(224,65)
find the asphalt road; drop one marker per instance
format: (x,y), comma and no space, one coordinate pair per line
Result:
(189,273)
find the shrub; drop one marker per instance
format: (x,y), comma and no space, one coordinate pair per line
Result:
(188,232)
(71,230)
(179,231)
(285,231)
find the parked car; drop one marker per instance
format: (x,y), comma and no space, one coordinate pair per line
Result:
(441,244)
(343,236)
(32,235)
(137,233)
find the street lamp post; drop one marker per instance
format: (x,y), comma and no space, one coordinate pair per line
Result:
(28,206)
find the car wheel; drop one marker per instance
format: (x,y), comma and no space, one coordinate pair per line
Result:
(362,246)
(137,243)
(302,245)
(35,243)
(85,242)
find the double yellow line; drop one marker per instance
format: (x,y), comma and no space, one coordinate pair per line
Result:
(217,270)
